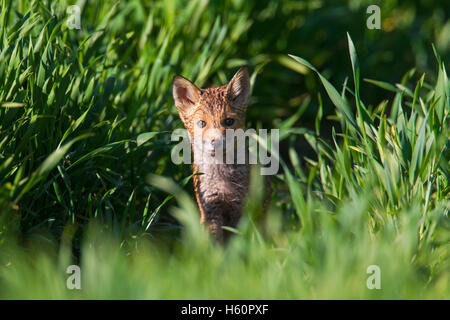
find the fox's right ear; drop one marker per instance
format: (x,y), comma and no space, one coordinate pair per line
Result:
(185,94)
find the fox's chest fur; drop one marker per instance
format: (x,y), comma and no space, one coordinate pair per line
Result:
(220,191)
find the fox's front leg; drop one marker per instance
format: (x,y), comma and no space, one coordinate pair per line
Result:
(214,223)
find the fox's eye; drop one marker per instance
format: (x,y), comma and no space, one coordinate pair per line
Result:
(229,122)
(201,124)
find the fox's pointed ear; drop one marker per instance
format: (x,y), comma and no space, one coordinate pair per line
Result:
(185,94)
(239,88)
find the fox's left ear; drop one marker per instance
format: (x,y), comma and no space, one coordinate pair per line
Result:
(238,91)
(186,96)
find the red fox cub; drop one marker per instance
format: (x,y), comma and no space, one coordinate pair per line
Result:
(207,114)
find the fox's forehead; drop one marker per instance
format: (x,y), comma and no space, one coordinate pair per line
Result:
(213,99)
(213,102)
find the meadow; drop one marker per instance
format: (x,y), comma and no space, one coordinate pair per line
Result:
(86,176)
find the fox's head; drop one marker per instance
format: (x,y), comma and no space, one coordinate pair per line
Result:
(208,113)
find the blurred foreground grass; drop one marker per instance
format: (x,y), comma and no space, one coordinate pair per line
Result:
(86,116)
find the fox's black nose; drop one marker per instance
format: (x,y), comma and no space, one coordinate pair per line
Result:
(216,143)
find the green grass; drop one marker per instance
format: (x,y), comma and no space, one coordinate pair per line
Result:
(86,176)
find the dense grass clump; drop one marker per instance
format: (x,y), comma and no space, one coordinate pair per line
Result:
(86,176)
